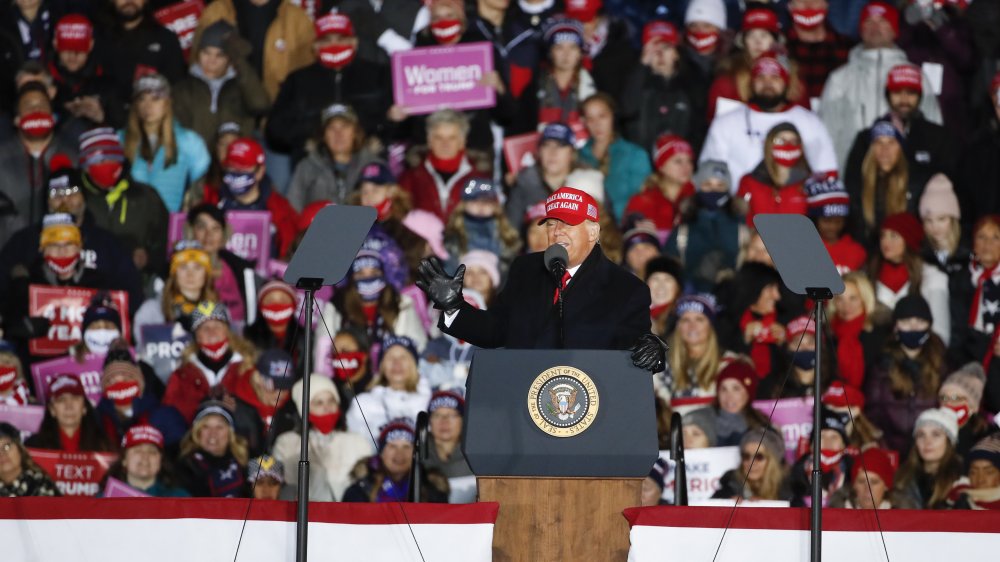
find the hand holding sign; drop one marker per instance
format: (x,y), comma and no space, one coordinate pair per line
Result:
(455,77)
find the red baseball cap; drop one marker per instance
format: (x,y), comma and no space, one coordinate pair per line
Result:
(140,434)
(667,146)
(770,64)
(244,152)
(660,31)
(330,24)
(799,325)
(761,18)
(881,10)
(74,33)
(875,460)
(65,384)
(840,395)
(583,10)
(904,77)
(571,206)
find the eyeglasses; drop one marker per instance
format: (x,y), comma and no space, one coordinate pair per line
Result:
(747,456)
(952,398)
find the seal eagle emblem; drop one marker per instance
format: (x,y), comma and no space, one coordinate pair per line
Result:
(563,401)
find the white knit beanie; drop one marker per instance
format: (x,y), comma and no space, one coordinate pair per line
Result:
(939,198)
(317,383)
(944,418)
(708,11)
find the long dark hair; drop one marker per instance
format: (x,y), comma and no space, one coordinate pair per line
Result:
(949,470)
(92,437)
(931,359)
(164,477)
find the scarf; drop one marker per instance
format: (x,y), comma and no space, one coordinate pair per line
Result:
(980,275)
(760,346)
(392,492)
(850,353)
(727,424)
(894,276)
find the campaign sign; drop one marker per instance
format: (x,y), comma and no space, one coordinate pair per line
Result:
(794,417)
(115,488)
(704,469)
(519,151)
(182,19)
(75,474)
(430,78)
(162,346)
(89,371)
(64,308)
(249,238)
(26,418)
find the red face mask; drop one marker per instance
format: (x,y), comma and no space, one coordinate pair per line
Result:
(62,265)
(384,208)
(347,365)
(810,18)
(446,31)
(962,411)
(217,350)
(277,315)
(336,57)
(829,459)
(786,155)
(105,174)
(325,423)
(8,374)
(122,393)
(36,125)
(446,165)
(703,41)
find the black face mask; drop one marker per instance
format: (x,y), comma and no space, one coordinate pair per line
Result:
(713,199)
(913,339)
(767,103)
(805,360)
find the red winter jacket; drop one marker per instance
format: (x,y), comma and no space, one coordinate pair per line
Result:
(847,254)
(762,197)
(652,204)
(422,182)
(189,385)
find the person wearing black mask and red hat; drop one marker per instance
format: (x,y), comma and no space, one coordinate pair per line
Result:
(336,77)
(85,92)
(25,160)
(605,307)
(246,187)
(129,209)
(135,39)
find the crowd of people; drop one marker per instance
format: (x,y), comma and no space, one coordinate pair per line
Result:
(683,119)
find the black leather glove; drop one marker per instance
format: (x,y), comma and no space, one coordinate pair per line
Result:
(649,353)
(444,291)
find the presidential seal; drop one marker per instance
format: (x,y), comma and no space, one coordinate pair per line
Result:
(563,401)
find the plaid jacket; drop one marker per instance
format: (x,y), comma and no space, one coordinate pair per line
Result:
(817,60)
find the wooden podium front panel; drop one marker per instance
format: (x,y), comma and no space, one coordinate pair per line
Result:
(556,519)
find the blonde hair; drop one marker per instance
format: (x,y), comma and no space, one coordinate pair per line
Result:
(769,485)
(171,292)
(381,380)
(895,187)
(704,368)
(865,290)
(237,445)
(136,142)
(236,342)
(954,236)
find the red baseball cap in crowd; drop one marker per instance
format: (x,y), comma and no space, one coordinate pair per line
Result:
(904,77)
(571,206)
(244,153)
(660,31)
(583,10)
(141,434)
(331,24)
(883,10)
(770,64)
(667,146)
(65,384)
(74,33)
(761,18)
(840,395)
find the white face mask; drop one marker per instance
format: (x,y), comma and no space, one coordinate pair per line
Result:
(99,340)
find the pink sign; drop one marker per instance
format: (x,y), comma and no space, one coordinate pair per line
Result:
(115,488)
(182,19)
(794,417)
(519,151)
(26,418)
(250,236)
(64,308)
(89,371)
(430,78)
(75,474)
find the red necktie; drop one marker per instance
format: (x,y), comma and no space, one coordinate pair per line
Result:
(562,286)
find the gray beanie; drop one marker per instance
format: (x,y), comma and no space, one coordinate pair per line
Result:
(773,441)
(713,169)
(704,419)
(216,34)
(970,380)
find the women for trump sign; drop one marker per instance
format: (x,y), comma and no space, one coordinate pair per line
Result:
(431,78)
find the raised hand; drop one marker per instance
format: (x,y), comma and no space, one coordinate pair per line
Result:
(443,290)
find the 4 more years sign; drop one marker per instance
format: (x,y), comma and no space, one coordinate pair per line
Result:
(64,308)
(76,474)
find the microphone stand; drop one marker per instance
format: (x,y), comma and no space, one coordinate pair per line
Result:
(819,296)
(558,271)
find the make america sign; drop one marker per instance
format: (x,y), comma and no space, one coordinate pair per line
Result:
(431,78)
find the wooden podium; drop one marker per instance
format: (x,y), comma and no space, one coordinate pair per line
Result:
(562,440)
(560,518)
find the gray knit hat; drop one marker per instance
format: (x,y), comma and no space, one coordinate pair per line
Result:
(712,169)
(208,310)
(773,441)
(265,466)
(969,380)
(704,419)
(216,34)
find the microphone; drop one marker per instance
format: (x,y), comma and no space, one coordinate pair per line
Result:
(556,258)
